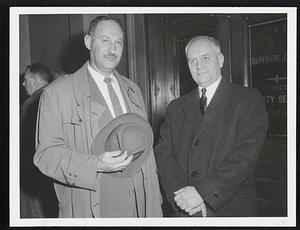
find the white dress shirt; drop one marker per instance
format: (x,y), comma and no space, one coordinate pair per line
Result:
(99,79)
(210,90)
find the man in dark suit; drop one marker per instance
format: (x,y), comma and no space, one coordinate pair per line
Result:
(37,199)
(210,140)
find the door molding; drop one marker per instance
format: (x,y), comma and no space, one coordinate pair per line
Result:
(138,66)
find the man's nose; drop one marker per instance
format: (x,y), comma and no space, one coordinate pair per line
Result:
(112,49)
(198,65)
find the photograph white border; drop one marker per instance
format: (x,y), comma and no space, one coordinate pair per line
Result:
(14,189)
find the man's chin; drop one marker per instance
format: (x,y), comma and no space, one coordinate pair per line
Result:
(111,66)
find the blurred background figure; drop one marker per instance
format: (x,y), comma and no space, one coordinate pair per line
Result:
(59,74)
(37,198)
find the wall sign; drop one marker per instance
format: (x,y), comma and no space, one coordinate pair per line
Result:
(268,70)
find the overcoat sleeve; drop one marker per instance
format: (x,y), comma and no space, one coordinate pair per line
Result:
(170,173)
(223,182)
(53,156)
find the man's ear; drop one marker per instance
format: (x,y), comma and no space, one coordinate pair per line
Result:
(221,60)
(88,41)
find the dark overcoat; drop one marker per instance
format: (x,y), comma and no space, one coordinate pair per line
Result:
(37,198)
(216,153)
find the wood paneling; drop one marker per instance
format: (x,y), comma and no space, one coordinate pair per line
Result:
(156,71)
(237,49)
(138,63)
(223,36)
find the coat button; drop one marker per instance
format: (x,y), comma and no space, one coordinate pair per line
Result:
(197,142)
(215,195)
(194,174)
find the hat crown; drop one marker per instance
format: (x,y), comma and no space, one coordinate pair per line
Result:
(130,132)
(127,137)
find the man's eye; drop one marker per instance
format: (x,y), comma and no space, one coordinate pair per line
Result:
(206,58)
(192,61)
(106,41)
(119,43)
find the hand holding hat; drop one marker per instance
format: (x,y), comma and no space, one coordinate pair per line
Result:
(123,145)
(113,161)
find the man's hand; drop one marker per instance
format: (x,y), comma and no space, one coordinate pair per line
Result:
(113,161)
(201,208)
(189,200)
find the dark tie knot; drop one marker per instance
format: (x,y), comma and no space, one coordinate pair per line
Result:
(107,80)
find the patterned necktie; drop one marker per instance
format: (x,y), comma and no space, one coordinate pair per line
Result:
(203,101)
(113,97)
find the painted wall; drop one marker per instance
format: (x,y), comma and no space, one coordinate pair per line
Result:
(49,35)
(25,58)
(58,42)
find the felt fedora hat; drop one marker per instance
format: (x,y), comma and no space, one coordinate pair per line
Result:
(128,132)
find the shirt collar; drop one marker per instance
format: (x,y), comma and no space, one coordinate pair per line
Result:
(99,76)
(211,88)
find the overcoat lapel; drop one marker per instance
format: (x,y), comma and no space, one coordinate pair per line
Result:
(130,97)
(191,109)
(90,101)
(215,107)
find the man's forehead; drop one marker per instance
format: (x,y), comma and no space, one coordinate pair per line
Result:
(108,27)
(200,46)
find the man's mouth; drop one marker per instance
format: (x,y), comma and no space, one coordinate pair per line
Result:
(110,57)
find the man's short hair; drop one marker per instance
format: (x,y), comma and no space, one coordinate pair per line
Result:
(98,19)
(212,40)
(41,70)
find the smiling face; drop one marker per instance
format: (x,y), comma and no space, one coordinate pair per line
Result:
(106,46)
(205,62)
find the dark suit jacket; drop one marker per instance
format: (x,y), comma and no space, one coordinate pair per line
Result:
(37,192)
(217,153)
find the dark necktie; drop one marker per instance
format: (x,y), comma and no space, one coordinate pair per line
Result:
(113,97)
(203,101)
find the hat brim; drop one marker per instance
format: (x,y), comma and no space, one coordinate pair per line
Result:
(99,142)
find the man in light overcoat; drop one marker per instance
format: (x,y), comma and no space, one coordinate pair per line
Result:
(72,111)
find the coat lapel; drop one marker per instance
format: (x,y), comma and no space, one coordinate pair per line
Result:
(90,102)
(191,108)
(218,102)
(132,100)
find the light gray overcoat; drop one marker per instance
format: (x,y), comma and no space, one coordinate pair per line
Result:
(70,116)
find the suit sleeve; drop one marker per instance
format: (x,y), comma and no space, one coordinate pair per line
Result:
(53,156)
(169,171)
(221,184)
